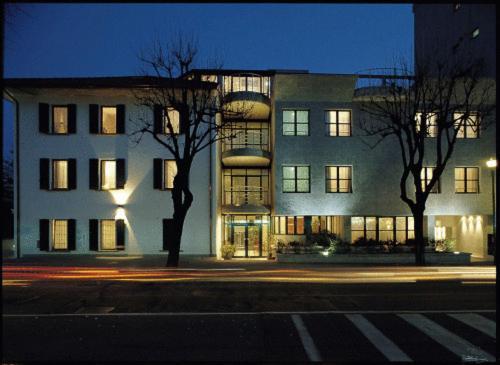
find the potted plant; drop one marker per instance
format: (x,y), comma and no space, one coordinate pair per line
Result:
(227,251)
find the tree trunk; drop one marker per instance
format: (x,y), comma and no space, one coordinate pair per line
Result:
(418,221)
(175,246)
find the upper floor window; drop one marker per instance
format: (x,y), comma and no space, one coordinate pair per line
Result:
(338,179)
(252,83)
(468,128)
(430,123)
(164,172)
(106,175)
(296,179)
(108,120)
(62,120)
(295,122)
(338,123)
(173,117)
(426,176)
(58,175)
(466,180)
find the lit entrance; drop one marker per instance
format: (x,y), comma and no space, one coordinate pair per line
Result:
(248,233)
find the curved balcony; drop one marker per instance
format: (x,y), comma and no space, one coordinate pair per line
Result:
(379,83)
(246,200)
(249,147)
(247,95)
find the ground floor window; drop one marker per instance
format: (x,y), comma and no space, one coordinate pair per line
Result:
(106,234)
(330,224)
(288,225)
(57,234)
(60,234)
(382,228)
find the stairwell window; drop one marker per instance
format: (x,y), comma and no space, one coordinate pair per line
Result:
(338,123)
(295,122)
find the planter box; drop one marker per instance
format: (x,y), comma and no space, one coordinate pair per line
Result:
(431,258)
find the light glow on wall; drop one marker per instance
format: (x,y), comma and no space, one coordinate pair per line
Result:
(120,213)
(440,233)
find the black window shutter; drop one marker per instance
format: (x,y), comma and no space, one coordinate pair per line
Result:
(158,119)
(72,173)
(72,118)
(43,117)
(120,119)
(120,234)
(120,173)
(94,118)
(167,233)
(157,173)
(94,174)
(44,173)
(71,234)
(93,235)
(44,235)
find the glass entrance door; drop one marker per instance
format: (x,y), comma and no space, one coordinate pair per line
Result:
(239,240)
(248,233)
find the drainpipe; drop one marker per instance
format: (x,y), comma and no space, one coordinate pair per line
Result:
(210,192)
(18,209)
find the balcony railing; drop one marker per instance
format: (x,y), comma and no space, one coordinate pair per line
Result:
(247,138)
(383,77)
(247,82)
(246,195)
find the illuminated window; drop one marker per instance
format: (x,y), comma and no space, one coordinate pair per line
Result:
(430,122)
(338,179)
(404,229)
(60,174)
(290,225)
(169,172)
(108,120)
(295,122)
(382,228)
(60,119)
(173,116)
(466,128)
(108,175)
(60,234)
(108,234)
(426,175)
(467,180)
(338,123)
(296,179)
(386,228)
(475,33)
(357,228)
(209,78)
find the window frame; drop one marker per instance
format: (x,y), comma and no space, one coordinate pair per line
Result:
(465,168)
(338,179)
(164,182)
(437,187)
(377,227)
(295,179)
(165,111)
(53,235)
(327,123)
(101,231)
(52,175)
(51,127)
(276,223)
(464,126)
(295,122)
(101,170)
(101,120)
(428,125)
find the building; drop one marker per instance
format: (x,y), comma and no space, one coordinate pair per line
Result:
(297,166)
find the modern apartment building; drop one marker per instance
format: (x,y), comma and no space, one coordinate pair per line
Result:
(298,165)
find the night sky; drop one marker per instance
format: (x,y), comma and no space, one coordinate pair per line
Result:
(62,40)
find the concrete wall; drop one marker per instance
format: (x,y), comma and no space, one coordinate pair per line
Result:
(144,207)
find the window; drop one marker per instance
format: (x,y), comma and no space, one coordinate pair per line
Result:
(382,228)
(171,115)
(57,235)
(338,179)
(60,174)
(108,125)
(386,228)
(338,123)
(404,229)
(246,186)
(108,234)
(331,224)
(296,179)
(60,119)
(60,234)
(289,225)
(430,121)
(295,122)
(209,78)
(475,33)
(466,180)
(468,128)
(426,175)
(108,174)
(169,172)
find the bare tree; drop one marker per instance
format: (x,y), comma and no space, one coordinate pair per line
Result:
(426,112)
(201,118)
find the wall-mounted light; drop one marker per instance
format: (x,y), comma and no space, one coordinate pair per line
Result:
(120,212)
(491,163)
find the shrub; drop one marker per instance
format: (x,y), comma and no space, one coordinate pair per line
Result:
(227,251)
(446,245)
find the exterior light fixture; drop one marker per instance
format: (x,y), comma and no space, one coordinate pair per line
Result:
(491,163)
(120,212)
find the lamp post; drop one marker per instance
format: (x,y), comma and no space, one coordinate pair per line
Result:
(492,165)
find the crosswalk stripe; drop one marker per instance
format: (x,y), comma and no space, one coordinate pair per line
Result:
(459,346)
(306,339)
(390,350)
(477,322)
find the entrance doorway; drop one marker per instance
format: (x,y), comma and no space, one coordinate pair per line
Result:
(249,234)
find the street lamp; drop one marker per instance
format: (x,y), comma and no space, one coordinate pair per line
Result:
(492,164)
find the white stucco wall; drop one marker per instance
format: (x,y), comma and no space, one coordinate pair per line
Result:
(144,206)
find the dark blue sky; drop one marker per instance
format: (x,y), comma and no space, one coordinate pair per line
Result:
(58,40)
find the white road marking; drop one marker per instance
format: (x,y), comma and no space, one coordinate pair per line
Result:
(306,339)
(146,314)
(459,346)
(390,350)
(478,322)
